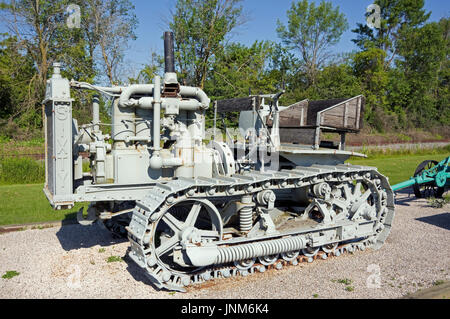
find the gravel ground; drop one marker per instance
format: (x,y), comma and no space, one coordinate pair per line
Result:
(71,262)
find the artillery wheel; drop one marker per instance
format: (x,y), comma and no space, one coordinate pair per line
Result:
(428,189)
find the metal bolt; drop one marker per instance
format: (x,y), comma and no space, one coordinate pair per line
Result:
(166,276)
(185,281)
(206,276)
(226,273)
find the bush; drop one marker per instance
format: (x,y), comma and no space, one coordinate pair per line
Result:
(21,171)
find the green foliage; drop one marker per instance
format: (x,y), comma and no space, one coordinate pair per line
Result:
(112,259)
(369,68)
(39,36)
(397,17)
(239,69)
(345,281)
(16,85)
(438,202)
(10,274)
(335,81)
(411,73)
(423,51)
(200,28)
(312,30)
(21,171)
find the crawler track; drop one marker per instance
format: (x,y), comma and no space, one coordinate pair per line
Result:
(243,255)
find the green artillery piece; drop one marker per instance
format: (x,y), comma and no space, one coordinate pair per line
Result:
(430,179)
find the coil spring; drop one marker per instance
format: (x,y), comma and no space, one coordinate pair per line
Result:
(258,249)
(246,219)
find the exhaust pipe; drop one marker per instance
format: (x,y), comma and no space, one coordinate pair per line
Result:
(169,56)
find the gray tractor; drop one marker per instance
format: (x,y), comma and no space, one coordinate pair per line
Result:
(197,207)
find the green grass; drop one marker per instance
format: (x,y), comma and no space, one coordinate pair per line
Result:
(20,204)
(11,147)
(404,151)
(21,171)
(112,259)
(10,274)
(344,281)
(397,167)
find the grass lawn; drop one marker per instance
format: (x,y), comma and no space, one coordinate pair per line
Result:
(397,167)
(21,204)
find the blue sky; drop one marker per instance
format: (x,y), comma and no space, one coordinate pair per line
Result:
(262,23)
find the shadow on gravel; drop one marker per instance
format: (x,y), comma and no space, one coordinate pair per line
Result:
(76,236)
(404,196)
(138,273)
(439,220)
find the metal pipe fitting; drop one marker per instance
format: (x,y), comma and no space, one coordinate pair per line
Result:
(96,113)
(128,92)
(156,160)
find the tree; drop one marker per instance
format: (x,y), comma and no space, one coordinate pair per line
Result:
(238,70)
(369,68)
(422,56)
(200,28)
(108,26)
(36,24)
(149,70)
(43,35)
(443,89)
(335,81)
(397,17)
(16,72)
(312,31)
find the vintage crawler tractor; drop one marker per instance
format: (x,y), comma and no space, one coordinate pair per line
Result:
(193,212)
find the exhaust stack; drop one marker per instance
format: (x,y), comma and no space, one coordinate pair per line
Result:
(171,85)
(169,56)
